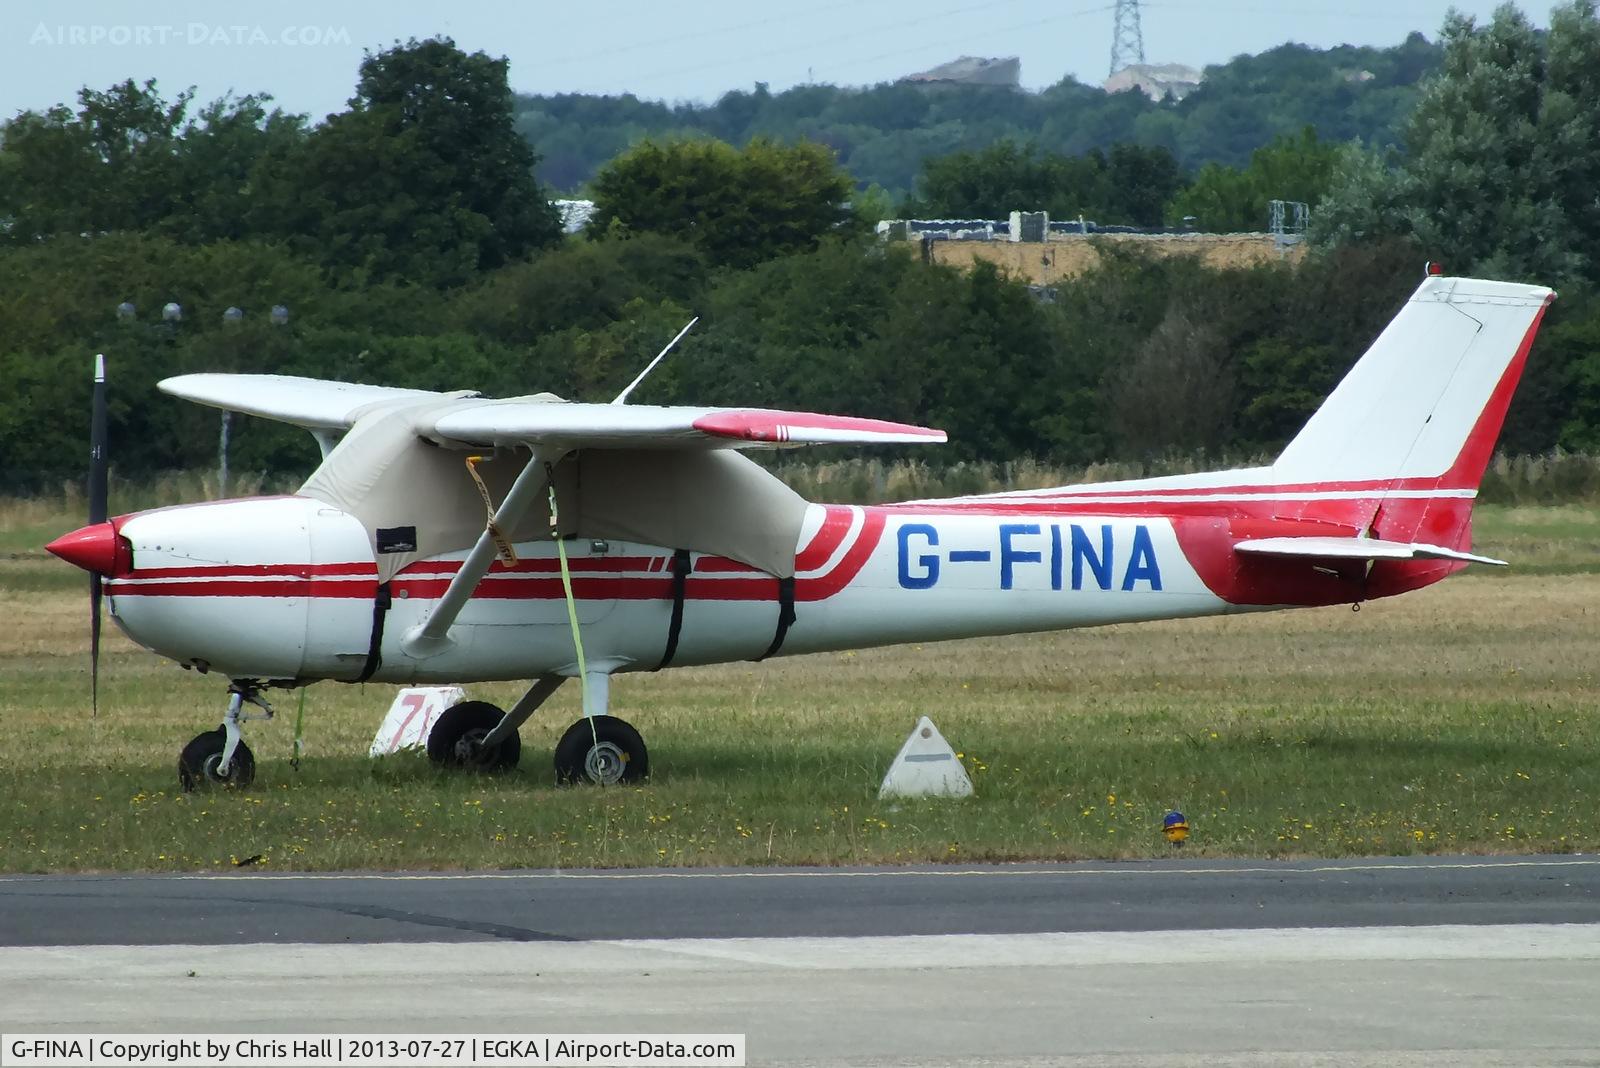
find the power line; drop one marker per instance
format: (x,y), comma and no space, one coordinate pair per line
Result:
(697,35)
(791,48)
(1346,13)
(987,32)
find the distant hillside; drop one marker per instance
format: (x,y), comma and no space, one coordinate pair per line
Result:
(883,133)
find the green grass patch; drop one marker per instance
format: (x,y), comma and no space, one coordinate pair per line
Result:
(1538,539)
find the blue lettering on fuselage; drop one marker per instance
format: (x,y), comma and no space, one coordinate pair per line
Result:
(1099,564)
(1077,555)
(1010,555)
(928,562)
(1142,561)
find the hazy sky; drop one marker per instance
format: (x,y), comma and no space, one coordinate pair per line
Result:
(305,53)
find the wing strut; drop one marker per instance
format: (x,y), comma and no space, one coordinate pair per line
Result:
(431,637)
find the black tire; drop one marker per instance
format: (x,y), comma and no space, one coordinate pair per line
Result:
(197,764)
(453,742)
(603,750)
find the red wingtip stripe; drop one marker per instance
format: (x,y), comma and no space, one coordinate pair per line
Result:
(761,424)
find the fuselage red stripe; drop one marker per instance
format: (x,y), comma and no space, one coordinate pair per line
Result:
(1152,509)
(722,580)
(364,589)
(835,526)
(1220,490)
(352,569)
(825,586)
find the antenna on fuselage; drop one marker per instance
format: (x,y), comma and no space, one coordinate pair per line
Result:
(622,398)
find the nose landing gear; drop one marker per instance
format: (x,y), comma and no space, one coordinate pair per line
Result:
(220,757)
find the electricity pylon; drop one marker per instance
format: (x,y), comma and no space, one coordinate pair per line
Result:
(1127,39)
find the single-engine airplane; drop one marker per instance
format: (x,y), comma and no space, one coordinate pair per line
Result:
(449,537)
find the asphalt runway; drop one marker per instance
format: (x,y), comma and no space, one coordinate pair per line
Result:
(1470,961)
(1169,895)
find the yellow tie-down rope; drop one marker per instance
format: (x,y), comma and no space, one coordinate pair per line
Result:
(502,544)
(572,605)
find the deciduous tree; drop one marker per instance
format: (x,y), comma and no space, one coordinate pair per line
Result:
(424,179)
(1500,165)
(1224,199)
(739,206)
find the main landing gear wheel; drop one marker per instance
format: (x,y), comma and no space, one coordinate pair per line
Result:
(603,750)
(456,740)
(200,762)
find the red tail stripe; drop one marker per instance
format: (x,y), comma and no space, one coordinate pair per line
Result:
(1156,509)
(1479,447)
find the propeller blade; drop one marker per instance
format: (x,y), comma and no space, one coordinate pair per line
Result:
(94,644)
(99,478)
(98,466)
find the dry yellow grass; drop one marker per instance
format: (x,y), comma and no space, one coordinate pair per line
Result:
(1458,718)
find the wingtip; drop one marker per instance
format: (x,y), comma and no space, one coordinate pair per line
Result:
(173,385)
(773,427)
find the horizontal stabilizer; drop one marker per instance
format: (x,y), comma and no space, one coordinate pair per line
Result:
(313,403)
(1326,548)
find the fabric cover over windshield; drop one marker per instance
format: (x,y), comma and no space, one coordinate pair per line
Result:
(705,500)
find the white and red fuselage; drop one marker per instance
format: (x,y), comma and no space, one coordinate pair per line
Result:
(284,587)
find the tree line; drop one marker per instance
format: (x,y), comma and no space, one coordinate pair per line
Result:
(412,246)
(422,178)
(883,133)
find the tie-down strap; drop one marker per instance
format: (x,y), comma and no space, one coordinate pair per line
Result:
(786,616)
(682,564)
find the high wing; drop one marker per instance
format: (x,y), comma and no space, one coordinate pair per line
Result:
(466,419)
(659,475)
(655,427)
(1326,548)
(313,403)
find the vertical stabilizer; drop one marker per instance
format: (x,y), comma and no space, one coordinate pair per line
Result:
(1427,400)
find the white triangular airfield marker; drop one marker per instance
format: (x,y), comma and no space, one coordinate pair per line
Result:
(412,716)
(926,766)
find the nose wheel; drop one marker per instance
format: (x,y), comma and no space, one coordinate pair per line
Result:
(220,757)
(603,750)
(200,763)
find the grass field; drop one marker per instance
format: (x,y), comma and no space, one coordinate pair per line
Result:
(1460,718)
